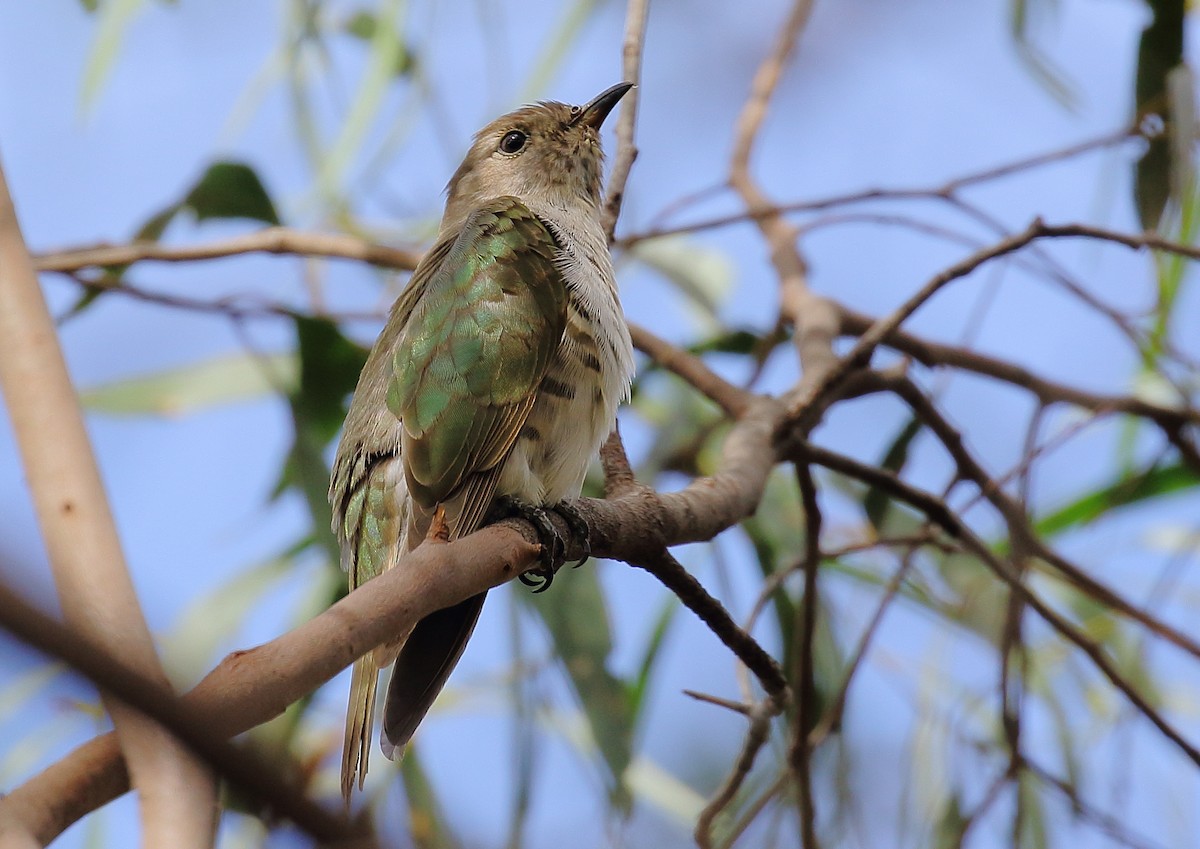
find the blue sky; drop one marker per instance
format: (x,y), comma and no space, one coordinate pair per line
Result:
(880,95)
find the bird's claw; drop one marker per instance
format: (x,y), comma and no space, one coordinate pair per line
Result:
(579,529)
(552,543)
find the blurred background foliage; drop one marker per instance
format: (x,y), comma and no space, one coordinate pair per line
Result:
(584,734)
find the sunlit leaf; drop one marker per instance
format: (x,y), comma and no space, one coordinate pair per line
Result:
(17,691)
(1154,482)
(702,274)
(192,388)
(212,620)
(113,20)
(386,55)
(652,784)
(362,24)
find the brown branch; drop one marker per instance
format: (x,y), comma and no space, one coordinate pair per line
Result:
(279,793)
(756,736)
(712,613)
(945,191)
(237,695)
(273,240)
(177,793)
(636,14)
(1110,825)
(927,503)
(799,753)
(934,354)
(732,399)
(808,405)
(831,720)
(1019,529)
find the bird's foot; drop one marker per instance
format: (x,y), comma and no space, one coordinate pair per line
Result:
(579,529)
(552,544)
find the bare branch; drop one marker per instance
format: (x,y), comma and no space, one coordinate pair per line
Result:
(798,755)
(636,14)
(177,793)
(277,791)
(273,240)
(756,736)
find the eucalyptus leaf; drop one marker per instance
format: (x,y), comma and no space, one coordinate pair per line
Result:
(192,388)
(702,274)
(225,190)
(113,20)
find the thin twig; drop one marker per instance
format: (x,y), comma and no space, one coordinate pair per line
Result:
(636,13)
(273,240)
(756,736)
(712,613)
(805,629)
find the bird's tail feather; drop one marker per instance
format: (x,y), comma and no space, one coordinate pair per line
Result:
(360,716)
(425,662)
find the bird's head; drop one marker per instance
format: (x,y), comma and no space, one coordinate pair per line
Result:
(547,153)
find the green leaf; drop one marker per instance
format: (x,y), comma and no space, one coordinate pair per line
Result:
(576,616)
(1160,51)
(192,388)
(637,695)
(224,190)
(951,825)
(363,25)
(1022,23)
(114,18)
(212,620)
(876,501)
(1154,482)
(386,54)
(329,368)
(231,190)
(427,824)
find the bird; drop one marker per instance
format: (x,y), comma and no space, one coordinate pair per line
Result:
(491,387)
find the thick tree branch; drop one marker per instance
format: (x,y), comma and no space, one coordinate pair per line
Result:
(177,794)
(250,773)
(251,687)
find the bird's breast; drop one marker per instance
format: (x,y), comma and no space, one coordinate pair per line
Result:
(575,408)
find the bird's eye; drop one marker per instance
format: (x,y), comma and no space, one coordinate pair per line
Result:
(513,141)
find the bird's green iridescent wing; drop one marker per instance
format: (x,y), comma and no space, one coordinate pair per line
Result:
(476,347)
(365,491)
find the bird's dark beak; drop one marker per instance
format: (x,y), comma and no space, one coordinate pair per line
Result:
(593,114)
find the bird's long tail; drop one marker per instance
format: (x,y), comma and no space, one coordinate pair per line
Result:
(360,717)
(421,669)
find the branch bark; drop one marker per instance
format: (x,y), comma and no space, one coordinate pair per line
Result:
(177,793)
